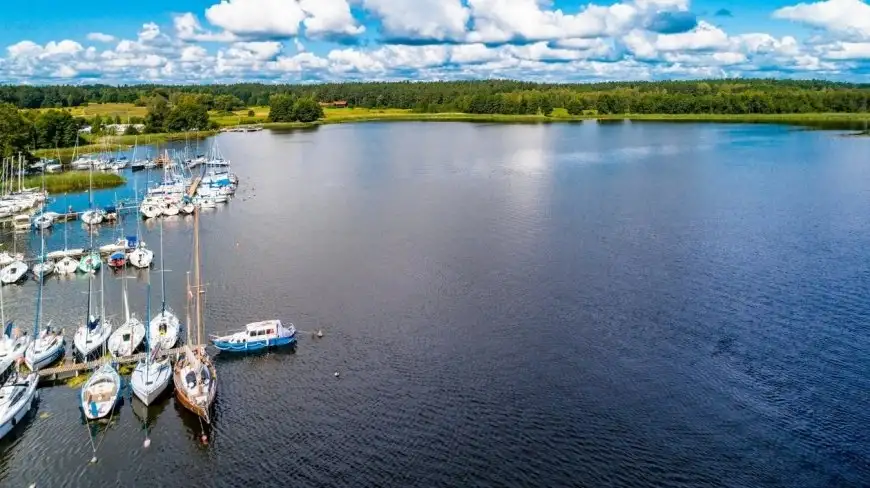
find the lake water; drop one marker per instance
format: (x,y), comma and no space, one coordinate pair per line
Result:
(629,304)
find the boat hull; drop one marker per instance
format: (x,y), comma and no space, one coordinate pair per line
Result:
(24,407)
(13,273)
(36,360)
(90,263)
(157,382)
(100,394)
(141,258)
(250,346)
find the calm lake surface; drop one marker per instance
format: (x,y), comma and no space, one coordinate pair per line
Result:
(630,304)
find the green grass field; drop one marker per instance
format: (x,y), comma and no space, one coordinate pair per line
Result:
(74,181)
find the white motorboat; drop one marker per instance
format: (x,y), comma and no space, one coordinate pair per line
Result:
(13,273)
(257,336)
(43,268)
(17,397)
(93,217)
(66,266)
(101,392)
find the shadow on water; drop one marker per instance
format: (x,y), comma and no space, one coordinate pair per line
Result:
(147,415)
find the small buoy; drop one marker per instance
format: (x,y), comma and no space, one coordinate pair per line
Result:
(336,374)
(94,460)
(146,443)
(204,439)
(319,333)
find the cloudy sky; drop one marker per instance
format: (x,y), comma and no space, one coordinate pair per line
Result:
(205,41)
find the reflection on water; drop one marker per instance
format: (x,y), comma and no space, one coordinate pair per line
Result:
(595,304)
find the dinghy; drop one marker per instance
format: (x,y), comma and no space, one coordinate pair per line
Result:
(257,336)
(17,398)
(13,273)
(90,263)
(152,375)
(66,266)
(127,338)
(101,392)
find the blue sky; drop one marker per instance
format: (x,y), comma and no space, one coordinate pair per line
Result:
(205,41)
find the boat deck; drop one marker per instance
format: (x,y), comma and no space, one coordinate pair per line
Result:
(71,369)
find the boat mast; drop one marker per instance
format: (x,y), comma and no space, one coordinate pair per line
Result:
(187,308)
(196,276)
(41,278)
(163,275)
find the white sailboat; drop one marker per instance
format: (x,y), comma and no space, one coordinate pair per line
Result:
(141,257)
(13,273)
(66,264)
(12,343)
(17,398)
(101,392)
(151,376)
(127,338)
(43,268)
(92,216)
(165,326)
(90,338)
(48,345)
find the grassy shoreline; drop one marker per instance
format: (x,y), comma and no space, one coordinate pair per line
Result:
(75,181)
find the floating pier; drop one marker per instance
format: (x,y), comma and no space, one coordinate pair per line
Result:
(71,370)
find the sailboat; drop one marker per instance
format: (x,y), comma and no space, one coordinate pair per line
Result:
(101,392)
(91,261)
(129,336)
(92,216)
(165,326)
(92,336)
(12,342)
(17,398)
(141,257)
(42,268)
(13,273)
(48,345)
(194,376)
(67,263)
(152,375)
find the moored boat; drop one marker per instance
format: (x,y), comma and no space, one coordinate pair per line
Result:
(117,259)
(66,266)
(43,268)
(151,376)
(90,263)
(101,392)
(93,217)
(13,273)
(17,397)
(127,338)
(257,336)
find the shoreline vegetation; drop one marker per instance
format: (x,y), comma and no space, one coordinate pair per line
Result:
(35,120)
(74,181)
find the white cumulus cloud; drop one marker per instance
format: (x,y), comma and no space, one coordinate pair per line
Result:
(100,37)
(850,17)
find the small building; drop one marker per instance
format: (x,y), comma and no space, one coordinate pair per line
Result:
(335,104)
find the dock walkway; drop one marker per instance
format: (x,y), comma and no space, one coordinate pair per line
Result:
(70,370)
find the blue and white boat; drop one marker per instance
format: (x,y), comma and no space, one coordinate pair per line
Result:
(101,392)
(257,336)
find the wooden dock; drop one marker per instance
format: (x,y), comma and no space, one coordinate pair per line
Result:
(71,370)
(194,185)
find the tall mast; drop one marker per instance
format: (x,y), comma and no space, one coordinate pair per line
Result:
(163,274)
(196,277)
(187,308)
(41,278)
(102,296)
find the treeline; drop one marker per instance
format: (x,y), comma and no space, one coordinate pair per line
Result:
(26,131)
(491,96)
(287,108)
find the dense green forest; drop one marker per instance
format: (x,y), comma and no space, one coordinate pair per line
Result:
(726,96)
